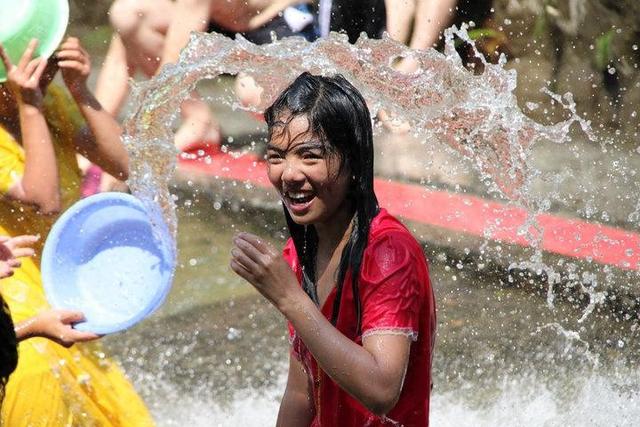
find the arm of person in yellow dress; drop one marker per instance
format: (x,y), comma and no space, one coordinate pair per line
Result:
(39,184)
(103,144)
(56,325)
(296,408)
(372,373)
(189,15)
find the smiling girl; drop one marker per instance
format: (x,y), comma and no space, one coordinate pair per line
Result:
(352,281)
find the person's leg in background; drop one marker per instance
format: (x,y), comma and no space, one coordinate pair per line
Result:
(139,27)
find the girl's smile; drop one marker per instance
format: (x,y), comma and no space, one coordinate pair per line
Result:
(312,182)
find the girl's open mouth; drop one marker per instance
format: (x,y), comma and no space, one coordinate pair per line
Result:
(298,202)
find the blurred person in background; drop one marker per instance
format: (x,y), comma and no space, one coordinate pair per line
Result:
(151,33)
(419,24)
(41,131)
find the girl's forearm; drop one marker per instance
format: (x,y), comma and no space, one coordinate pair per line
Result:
(25,330)
(40,184)
(104,146)
(350,365)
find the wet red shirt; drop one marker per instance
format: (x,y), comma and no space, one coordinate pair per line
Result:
(396,298)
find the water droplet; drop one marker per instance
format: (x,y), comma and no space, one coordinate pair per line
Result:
(234,334)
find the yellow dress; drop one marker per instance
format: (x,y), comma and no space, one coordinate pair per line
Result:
(53,385)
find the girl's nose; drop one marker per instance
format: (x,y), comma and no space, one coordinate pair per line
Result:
(292,172)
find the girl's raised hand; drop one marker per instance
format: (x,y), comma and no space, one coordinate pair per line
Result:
(263,266)
(74,63)
(23,79)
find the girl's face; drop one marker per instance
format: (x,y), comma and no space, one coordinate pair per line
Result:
(310,181)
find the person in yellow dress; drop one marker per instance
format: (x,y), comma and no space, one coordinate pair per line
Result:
(40,134)
(54,324)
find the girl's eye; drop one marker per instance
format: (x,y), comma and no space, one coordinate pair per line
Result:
(312,155)
(273,157)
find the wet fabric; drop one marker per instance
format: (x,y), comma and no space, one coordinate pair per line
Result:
(53,385)
(396,298)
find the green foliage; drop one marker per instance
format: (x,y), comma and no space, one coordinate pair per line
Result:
(603,53)
(479,33)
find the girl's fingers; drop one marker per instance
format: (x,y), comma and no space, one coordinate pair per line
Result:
(6,61)
(79,336)
(22,241)
(241,258)
(241,271)
(71,65)
(257,242)
(70,316)
(14,263)
(5,270)
(249,250)
(23,252)
(71,54)
(28,54)
(30,67)
(71,42)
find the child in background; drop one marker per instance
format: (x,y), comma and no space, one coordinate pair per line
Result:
(353,282)
(40,134)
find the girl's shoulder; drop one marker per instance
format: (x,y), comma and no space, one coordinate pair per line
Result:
(391,248)
(387,227)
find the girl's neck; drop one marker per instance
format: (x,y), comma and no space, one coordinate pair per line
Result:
(335,231)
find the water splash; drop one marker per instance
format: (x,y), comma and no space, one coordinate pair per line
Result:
(477,115)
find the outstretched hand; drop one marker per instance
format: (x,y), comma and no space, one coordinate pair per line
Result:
(23,79)
(262,265)
(56,325)
(12,248)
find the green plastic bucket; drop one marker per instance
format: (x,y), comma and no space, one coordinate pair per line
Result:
(23,20)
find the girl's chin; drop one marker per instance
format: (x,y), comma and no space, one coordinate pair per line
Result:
(304,219)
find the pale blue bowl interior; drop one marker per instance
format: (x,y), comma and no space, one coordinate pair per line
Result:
(104,258)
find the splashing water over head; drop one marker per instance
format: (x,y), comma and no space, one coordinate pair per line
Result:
(476,115)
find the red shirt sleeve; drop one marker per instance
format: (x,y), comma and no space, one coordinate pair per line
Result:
(391,288)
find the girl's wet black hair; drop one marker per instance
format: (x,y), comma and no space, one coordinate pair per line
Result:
(338,114)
